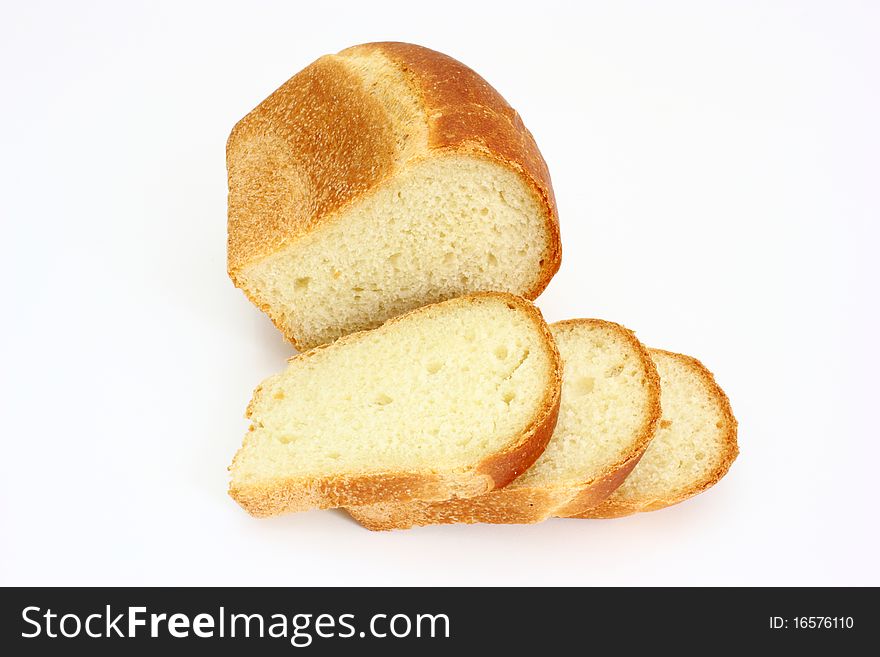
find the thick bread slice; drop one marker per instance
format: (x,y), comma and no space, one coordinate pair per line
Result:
(694,446)
(379,180)
(610,408)
(450,400)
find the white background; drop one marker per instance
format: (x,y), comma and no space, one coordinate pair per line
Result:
(716,167)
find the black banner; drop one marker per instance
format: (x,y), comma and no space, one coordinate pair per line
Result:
(431,621)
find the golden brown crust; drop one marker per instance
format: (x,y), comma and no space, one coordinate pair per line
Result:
(505,506)
(322,142)
(615,507)
(599,489)
(296,159)
(292,495)
(529,504)
(299,494)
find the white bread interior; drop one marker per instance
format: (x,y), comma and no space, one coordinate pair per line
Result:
(609,410)
(451,399)
(693,448)
(441,228)
(610,405)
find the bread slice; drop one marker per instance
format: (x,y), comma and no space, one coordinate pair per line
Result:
(610,408)
(379,180)
(450,400)
(694,446)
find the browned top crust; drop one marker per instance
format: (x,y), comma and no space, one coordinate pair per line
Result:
(321,141)
(311,147)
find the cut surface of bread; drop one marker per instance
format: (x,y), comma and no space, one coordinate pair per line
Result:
(609,410)
(694,447)
(378,180)
(452,399)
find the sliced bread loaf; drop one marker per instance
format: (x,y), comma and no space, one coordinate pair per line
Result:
(450,400)
(610,407)
(694,446)
(379,180)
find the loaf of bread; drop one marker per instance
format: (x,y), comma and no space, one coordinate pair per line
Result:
(379,180)
(450,400)
(693,448)
(609,411)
